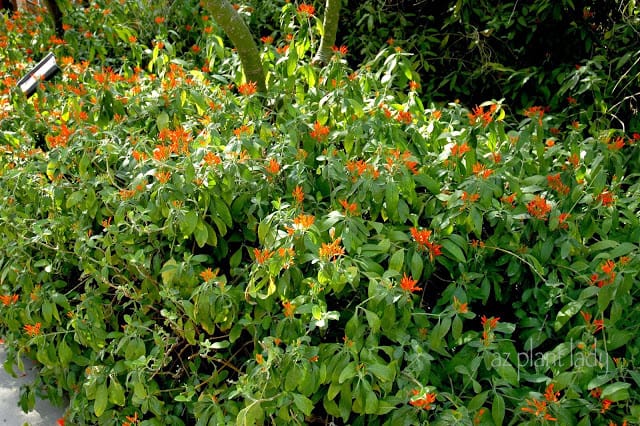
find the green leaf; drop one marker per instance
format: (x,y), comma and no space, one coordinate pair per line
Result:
(64,353)
(386,373)
(169,270)
(373,319)
(349,372)
(102,399)
(116,393)
(163,120)
(250,415)
(303,403)
(477,401)
(416,265)
(507,371)
(616,391)
(452,251)
(189,222)
(497,410)
(397,260)
(74,198)
(201,234)
(566,313)
(456,328)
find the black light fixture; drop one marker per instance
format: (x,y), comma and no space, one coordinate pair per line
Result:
(45,69)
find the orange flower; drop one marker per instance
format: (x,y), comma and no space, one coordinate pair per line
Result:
(159,19)
(479,115)
(298,194)
(555,183)
(562,220)
(616,145)
(404,117)
(289,309)
(208,274)
(9,299)
(550,395)
(481,170)
(212,159)
(248,88)
(489,323)
(319,132)
(131,420)
(349,208)
(242,130)
(304,221)
(273,167)
(422,237)
(306,9)
(535,111)
(163,177)
(606,198)
(266,39)
(461,308)
(423,402)
(413,85)
(32,330)
(608,267)
(409,284)
(539,208)
(606,404)
(458,150)
(342,50)
(331,251)
(538,409)
(161,152)
(262,256)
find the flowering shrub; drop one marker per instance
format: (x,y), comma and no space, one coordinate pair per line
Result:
(180,250)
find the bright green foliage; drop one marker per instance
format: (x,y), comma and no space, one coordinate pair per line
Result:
(177,251)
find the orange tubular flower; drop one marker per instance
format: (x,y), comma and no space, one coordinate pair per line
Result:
(306,9)
(350,209)
(319,132)
(550,395)
(423,402)
(32,330)
(262,255)
(303,221)
(208,274)
(248,88)
(538,409)
(409,284)
(422,237)
(458,150)
(331,251)
(9,299)
(606,198)
(298,194)
(539,208)
(289,309)
(273,167)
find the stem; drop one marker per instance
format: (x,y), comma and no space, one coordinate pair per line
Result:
(329,31)
(238,32)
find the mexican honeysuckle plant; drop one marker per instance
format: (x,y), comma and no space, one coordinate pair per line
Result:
(178,248)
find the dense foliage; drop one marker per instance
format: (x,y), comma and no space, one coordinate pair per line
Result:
(178,249)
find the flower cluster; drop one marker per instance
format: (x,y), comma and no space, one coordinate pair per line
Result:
(423,238)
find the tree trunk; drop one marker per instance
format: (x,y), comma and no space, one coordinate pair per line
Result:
(329,31)
(56,14)
(238,32)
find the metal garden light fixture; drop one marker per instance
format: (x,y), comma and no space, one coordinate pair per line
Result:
(44,70)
